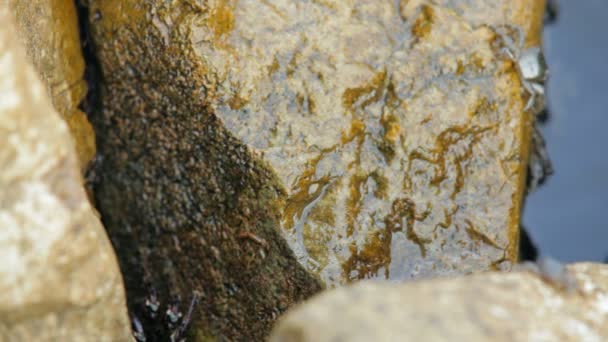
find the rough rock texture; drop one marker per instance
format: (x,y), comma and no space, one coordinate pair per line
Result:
(190,209)
(395,127)
(49,31)
(486,307)
(59,277)
(382,138)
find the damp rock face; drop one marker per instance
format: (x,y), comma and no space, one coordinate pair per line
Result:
(379,139)
(492,306)
(395,128)
(59,277)
(49,32)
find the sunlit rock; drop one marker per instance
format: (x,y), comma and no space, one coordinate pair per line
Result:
(495,306)
(59,277)
(49,31)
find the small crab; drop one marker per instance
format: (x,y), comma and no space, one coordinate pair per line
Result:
(152,303)
(531,67)
(174,324)
(534,73)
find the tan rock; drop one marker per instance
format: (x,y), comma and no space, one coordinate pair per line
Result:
(49,31)
(396,131)
(381,139)
(59,279)
(486,307)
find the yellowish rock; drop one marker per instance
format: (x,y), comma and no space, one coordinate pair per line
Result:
(49,31)
(486,307)
(396,128)
(59,278)
(381,139)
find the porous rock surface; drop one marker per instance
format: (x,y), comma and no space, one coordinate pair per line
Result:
(59,277)
(191,211)
(494,306)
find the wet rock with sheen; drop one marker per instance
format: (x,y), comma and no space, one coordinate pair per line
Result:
(395,128)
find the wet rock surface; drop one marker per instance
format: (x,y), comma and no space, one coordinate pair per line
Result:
(59,277)
(395,128)
(519,306)
(49,31)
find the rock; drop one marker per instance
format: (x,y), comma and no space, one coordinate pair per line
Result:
(396,128)
(49,31)
(190,209)
(492,306)
(382,140)
(59,277)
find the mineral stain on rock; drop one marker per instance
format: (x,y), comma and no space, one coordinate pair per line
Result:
(396,129)
(379,139)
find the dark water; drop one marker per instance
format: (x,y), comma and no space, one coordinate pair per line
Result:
(567,217)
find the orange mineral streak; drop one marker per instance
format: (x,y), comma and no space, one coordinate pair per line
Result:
(396,128)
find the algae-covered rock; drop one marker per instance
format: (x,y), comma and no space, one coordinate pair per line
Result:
(59,277)
(49,31)
(190,209)
(487,307)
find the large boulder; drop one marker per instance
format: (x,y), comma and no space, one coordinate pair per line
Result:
(59,277)
(495,306)
(395,128)
(379,139)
